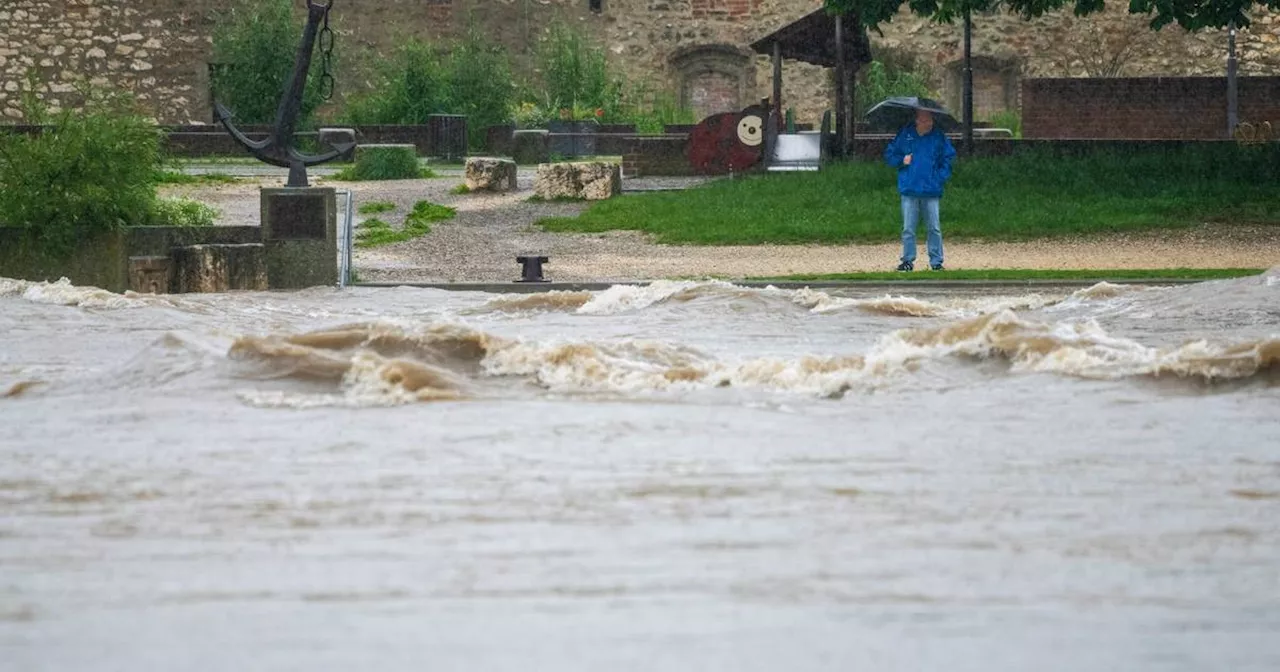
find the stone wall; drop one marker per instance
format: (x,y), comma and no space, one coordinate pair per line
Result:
(694,48)
(154,48)
(1112,43)
(1173,108)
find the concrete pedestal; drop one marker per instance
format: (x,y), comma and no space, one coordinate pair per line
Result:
(300,233)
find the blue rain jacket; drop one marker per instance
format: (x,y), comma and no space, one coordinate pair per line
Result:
(931,156)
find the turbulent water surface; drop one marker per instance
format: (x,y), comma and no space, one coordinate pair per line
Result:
(683,476)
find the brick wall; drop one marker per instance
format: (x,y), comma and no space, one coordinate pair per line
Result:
(1143,108)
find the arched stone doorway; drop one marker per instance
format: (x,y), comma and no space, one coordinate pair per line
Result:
(713,78)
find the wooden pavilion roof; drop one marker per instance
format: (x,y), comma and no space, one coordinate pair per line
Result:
(812,39)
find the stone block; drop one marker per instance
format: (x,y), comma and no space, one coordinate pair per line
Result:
(300,231)
(490,174)
(530,147)
(150,275)
(332,137)
(592,181)
(220,268)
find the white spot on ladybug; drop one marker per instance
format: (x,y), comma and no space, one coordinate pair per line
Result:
(751,130)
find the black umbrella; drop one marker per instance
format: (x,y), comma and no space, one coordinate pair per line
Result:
(892,114)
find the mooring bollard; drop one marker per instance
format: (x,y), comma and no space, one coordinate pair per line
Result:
(531,268)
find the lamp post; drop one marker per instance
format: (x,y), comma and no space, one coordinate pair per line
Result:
(1233,116)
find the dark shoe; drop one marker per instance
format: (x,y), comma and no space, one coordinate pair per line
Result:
(937,267)
(906,266)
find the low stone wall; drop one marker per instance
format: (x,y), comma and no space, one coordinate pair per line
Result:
(98,261)
(103,260)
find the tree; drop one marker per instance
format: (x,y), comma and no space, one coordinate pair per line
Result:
(255,44)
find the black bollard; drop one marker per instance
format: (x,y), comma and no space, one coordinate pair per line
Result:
(532,268)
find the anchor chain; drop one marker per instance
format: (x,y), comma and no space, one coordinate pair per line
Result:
(327,81)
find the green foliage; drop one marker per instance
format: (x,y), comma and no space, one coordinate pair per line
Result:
(255,43)
(460,190)
(375,232)
(182,212)
(1033,194)
(480,85)
(575,73)
(1010,119)
(376,207)
(884,78)
(384,162)
(92,171)
(472,78)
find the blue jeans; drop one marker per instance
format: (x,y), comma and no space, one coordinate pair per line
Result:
(912,208)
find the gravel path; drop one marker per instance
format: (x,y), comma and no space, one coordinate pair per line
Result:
(482,242)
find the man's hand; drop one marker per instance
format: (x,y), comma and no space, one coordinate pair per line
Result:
(906,160)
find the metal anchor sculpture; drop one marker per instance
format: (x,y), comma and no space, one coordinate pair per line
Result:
(278,149)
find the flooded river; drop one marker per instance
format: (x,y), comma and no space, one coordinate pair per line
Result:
(683,476)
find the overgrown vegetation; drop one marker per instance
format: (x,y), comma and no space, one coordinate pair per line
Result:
(92,171)
(183,212)
(1010,119)
(472,77)
(375,232)
(255,43)
(575,75)
(376,207)
(1033,194)
(893,73)
(384,162)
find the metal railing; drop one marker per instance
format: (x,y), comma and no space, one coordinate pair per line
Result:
(346,240)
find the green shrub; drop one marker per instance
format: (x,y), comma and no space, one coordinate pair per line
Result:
(386,162)
(575,73)
(255,43)
(893,73)
(92,171)
(472,78)
(1010,119)
(182,212)
(376,207)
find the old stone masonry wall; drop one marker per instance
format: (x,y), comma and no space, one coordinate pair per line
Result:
(154,48)
(697,49)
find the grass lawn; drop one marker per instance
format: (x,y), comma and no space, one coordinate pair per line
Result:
(1025,274)
(1031,195)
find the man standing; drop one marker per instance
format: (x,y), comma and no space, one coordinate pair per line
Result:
(922,154)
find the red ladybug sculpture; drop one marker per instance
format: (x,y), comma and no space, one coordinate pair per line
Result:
(728,142)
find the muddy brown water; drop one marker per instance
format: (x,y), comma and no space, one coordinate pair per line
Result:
(680,476)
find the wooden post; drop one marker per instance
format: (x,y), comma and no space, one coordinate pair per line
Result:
(777,79)
(841,102)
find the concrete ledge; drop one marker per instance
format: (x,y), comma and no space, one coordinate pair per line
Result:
(529,288)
